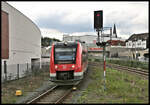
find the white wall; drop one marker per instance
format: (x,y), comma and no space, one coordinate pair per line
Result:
(24,37)
(89,39)
(136,44)
(24,40)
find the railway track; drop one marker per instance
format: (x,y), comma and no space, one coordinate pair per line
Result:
(143,73)
(55,95)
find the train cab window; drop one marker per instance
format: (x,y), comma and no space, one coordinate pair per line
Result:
(65,55)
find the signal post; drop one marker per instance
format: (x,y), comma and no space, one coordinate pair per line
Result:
(98,25)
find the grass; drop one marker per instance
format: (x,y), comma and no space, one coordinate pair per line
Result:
(27,84)
(129,63)
(120,88)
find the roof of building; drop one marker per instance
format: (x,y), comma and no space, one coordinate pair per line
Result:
(116,42)
(135,37)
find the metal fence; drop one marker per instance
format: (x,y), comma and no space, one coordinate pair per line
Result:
(17,71)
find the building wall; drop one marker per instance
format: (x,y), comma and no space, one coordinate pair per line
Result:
(136,44)
(138,41)
(24,38)
(89,39)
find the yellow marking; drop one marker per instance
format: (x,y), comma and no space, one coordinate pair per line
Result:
(18,92)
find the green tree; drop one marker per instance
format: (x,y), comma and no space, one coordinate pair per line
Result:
(46,41)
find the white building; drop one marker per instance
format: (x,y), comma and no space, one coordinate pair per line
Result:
(89,39)
(21,40)
(137,41)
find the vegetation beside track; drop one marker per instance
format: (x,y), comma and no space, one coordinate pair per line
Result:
(26,85)
(121,87)
(129,63)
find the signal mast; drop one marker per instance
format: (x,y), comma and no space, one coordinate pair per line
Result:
(98,25)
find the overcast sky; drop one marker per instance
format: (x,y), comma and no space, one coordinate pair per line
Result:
(77,18)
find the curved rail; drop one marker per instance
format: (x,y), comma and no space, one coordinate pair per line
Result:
(144,73)
(64,96)
(50,94)
(42,95)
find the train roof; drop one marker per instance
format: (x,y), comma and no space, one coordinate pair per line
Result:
(66,43)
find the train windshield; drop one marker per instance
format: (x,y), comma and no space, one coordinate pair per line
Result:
(65,55)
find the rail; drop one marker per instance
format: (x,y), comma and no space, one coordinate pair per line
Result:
(142,72)
(42,95)
(50,95)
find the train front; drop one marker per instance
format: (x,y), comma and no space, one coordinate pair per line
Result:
(65,63)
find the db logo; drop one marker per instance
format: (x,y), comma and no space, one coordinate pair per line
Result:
(64,66)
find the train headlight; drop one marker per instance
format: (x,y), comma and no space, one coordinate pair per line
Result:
(56,66)
(73,66)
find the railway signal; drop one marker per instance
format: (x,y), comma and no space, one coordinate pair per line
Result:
(98,25)
(98,19)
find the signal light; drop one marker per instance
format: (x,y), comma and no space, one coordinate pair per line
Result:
(98,15)
(98,19)
(74,88)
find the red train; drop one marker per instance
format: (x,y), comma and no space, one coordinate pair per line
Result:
(68,62)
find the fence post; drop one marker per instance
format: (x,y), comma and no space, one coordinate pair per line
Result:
(18,71)
(27,71)
(5,70)
(31,68)
(27,66)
